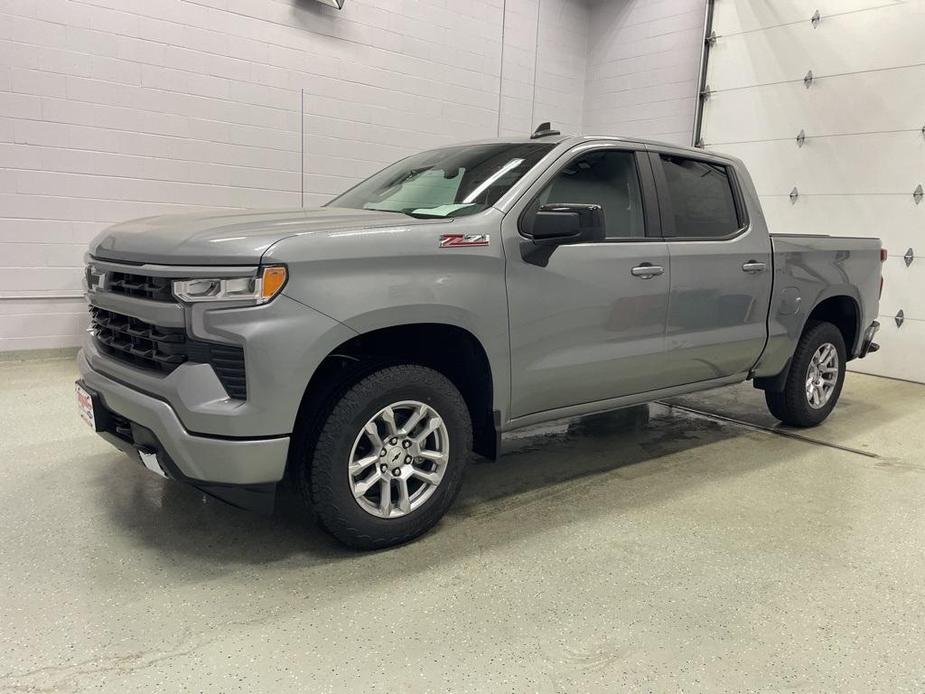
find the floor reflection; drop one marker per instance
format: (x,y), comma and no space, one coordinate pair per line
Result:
(179,520)
(551,454)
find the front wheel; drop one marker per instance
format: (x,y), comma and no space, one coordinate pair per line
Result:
(817,373)
(389,460)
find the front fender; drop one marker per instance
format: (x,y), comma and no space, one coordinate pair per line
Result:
(382,278)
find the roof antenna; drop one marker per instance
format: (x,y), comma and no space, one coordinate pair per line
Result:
(544,130)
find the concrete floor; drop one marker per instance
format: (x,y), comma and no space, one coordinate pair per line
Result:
(655,549)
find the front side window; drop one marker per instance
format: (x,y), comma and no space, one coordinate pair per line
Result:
(701,198)
(449,182)
(607,178)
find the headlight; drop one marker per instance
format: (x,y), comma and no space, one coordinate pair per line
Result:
(260,289)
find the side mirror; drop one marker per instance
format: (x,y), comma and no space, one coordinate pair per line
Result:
(564,223)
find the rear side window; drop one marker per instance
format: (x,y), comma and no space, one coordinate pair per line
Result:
(702,198)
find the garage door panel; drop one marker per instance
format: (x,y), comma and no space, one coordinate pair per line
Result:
(902,288)
(864,152)
(896,220)
(845,43)
(883,163)
(749,15)
(832,106)
(900,354)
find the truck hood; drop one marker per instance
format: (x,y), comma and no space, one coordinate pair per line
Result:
(227,238)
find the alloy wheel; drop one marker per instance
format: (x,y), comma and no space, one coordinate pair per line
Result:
(398,459)
(822,376)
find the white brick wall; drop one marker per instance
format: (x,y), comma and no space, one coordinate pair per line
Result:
(560,29)
(643,68)
(113,109)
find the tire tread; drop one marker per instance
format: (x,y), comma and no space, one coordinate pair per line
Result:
(317,486)
(789,405)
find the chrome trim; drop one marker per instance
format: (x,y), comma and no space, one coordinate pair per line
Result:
(174,271)
(180,290)
(647,272)
(754,266)
(93,273)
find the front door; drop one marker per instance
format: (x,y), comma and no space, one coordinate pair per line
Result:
(720,270)
(589,325)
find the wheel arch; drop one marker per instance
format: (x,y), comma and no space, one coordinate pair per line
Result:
(844,312)
(839,307)
(450,349)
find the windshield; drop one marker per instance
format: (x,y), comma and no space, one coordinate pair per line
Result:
(448,182)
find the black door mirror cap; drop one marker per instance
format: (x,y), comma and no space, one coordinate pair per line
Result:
(558,224)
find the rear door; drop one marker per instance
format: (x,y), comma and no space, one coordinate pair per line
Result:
(589,323)
(720,269)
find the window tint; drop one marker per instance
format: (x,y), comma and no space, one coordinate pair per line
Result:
(607,178)
(701,198)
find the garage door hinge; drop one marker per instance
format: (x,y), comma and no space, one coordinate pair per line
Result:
(801,138)
(815,19)
(808,79)
(900,318)
(909,257)
(918,194)
(705,94)
(711,39)
(794,194)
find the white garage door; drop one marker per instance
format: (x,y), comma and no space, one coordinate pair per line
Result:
(863,119)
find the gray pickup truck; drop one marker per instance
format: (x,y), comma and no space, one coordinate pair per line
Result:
(363,350)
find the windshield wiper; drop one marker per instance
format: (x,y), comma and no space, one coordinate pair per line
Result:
(423,215)
(408,212)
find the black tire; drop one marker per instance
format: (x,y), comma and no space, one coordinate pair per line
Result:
(324,480)
(791,405)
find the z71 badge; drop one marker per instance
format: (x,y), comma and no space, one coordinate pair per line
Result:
(464,240)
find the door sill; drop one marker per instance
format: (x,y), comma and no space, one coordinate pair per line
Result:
(609,404)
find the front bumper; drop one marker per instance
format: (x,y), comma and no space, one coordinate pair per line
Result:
(242,471)
(283,342)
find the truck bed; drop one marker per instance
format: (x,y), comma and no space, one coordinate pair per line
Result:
(808,268)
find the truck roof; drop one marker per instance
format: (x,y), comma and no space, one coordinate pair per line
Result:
(571,140)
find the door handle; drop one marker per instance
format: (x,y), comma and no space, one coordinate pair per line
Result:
(754,266)
(647,271)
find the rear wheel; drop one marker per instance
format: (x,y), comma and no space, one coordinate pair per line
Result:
(814,383)
(389,459)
